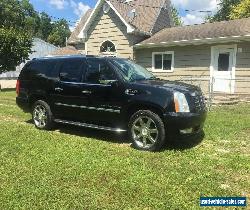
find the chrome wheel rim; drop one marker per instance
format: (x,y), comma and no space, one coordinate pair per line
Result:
(40,116)
(144,132)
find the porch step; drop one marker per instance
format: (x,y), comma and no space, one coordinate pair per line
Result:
(244,97)
(225,102)
(228,99)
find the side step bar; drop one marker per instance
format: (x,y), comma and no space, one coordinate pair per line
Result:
(89,126)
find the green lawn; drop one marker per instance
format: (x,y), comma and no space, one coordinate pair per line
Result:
(74,168)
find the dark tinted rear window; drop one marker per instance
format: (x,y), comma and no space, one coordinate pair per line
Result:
(43,68)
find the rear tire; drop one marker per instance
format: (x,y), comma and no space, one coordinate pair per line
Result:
(42,115)
(147,131)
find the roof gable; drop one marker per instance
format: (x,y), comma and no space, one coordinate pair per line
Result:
(74,35)
(147,16)
(96,10)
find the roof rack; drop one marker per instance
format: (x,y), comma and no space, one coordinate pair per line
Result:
(66,56)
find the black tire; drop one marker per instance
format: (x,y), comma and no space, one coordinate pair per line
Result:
(157,123)
(49,121)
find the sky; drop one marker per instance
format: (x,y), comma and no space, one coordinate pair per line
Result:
(72,10)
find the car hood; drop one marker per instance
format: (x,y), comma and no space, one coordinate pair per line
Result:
(170,85)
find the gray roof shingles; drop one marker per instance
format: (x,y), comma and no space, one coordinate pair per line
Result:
(240,27)
(147,13)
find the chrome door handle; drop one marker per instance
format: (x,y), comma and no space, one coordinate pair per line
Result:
(58,89)
(86,92)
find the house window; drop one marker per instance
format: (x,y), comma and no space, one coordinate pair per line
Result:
(108,47)
(163,61)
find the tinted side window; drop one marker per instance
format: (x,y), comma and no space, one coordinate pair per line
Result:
(51,69)
(99,72)
(38,67)
(42,68)
(72,70)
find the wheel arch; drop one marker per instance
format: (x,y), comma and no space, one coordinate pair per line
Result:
(37,97)
(134,107)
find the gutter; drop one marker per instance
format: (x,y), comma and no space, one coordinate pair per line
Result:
(195,41)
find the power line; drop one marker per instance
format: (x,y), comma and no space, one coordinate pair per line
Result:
(201,11)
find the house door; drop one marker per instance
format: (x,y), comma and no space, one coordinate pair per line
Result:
(223,68)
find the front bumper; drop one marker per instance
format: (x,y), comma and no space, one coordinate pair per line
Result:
(185,123)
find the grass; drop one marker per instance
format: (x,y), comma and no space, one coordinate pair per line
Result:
(74,168)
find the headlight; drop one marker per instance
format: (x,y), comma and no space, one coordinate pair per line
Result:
(180,101)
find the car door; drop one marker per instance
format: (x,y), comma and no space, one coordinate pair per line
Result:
(105,93)
(68,96)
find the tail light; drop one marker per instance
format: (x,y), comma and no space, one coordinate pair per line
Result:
(17,87)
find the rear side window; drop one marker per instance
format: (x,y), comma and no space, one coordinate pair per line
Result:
(41,68)
(99,72)
(72,70)
(52,70)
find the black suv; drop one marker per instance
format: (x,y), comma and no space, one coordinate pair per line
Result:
(109,94)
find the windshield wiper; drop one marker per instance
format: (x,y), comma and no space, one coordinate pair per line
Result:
(152,78)
(143,79)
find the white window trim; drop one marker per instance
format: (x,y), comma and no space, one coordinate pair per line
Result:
(161,70)
(106,53)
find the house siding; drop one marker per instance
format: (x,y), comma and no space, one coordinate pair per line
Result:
(188,61)
(110,27)
(243,60)
(194,61)
(243,68)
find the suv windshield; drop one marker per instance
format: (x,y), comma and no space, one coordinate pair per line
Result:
(132,72)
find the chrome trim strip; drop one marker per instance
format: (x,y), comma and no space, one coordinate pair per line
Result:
(81,83)
(90,108)
(86,125)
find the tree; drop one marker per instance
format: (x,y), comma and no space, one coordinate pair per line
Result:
(31,17)
(242,10)
(15,46)
(176,17)
(15,40)
(19,23)
(11,14)
(224,11)
(59,33)
(45,27)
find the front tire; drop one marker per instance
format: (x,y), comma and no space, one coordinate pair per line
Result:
(42,115)
(147,131)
